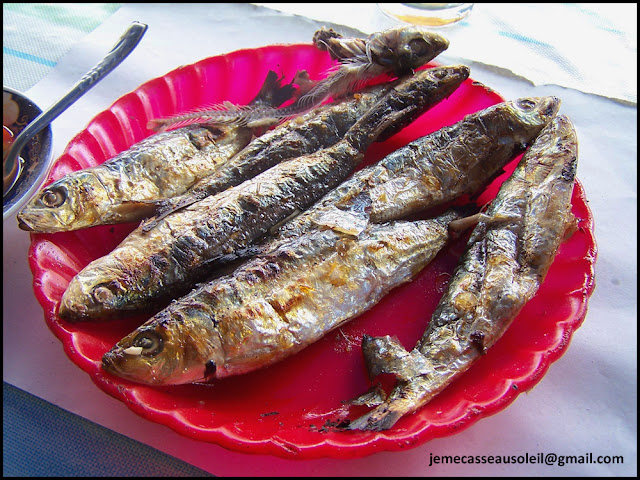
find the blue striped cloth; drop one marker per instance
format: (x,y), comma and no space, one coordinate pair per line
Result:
(52,29)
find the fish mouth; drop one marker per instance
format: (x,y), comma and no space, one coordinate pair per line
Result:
(41,222)
(23,225)
(552,107)
(75,305)
(112,362)
(72,311)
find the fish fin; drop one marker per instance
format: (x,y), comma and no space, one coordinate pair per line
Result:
(378,419)
(139,208)
(371,398)
(387,355)
(168,206)
(406,397)
(359,141)
(339,82)
(349,222)
(317,94)
(458,226)
(274,230)
(273,92)
(572,226)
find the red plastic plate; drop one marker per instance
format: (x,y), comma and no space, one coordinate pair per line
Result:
(290,409)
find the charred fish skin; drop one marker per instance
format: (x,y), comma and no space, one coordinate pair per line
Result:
(129,186)
(277,304)
(320,128)
(182,248)
(506,260)
(432,170)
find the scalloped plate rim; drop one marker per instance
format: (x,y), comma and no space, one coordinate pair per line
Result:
(329,447)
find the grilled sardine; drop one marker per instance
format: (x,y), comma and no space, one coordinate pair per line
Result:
(276,304)
(165,262)
(430,171)
(506,259)
(128,187)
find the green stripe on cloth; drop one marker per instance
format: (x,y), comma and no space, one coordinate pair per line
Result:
(83,16)
(36,36)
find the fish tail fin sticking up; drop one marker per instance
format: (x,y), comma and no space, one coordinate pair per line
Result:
(387,355)
(273,92)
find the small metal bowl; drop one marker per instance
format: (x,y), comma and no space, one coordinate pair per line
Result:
(37,155)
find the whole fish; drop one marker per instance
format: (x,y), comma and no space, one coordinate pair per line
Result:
(277,304)
(183,247)
(399,51)
(430,171)
(128,187)
(317,129)
(506,259)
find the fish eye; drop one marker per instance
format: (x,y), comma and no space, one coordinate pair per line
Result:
(103,293)
(150,342)
(418,46)
(440,74)
(54,197)
(526,104)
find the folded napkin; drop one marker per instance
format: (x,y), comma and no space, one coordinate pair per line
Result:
(36,35)
(588,47)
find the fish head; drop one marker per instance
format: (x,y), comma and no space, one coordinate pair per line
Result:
(93,294)
(405,48)
(445,79)
(67,204)
(423,90)
(531,115)
(165,351)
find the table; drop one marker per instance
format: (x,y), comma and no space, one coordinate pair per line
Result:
(586,403)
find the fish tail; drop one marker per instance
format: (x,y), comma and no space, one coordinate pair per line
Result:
(387,355)
(381,418)
(404,399)
(273,92)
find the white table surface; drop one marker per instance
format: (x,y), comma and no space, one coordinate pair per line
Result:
(586,403)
